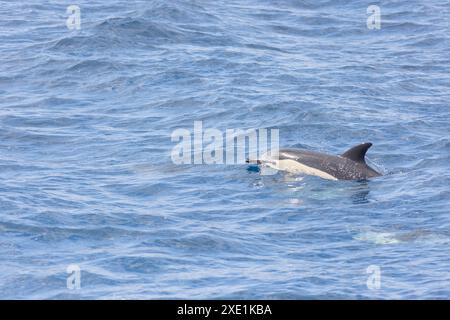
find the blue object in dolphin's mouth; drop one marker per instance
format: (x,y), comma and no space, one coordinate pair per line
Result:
(253,168)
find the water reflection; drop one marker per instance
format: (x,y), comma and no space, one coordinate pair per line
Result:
(301,189)
(359,192)
(318,189)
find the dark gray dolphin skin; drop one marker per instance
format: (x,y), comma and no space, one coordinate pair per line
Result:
(350,165)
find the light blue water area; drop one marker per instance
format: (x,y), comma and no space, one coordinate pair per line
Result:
(86,176)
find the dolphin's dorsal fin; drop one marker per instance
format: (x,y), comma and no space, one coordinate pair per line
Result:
(358,152)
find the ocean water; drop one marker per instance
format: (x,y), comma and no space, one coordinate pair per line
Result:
(87,180)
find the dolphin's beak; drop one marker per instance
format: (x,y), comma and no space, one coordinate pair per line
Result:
(254,161)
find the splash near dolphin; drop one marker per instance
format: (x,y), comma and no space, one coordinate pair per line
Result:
(351,165)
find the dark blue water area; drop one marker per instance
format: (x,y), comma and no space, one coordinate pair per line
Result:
(86,175)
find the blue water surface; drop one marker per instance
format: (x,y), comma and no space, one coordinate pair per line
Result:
(86,176)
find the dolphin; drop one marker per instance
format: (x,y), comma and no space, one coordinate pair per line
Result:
(351,165)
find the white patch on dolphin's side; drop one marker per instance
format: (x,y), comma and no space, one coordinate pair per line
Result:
(297,168)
